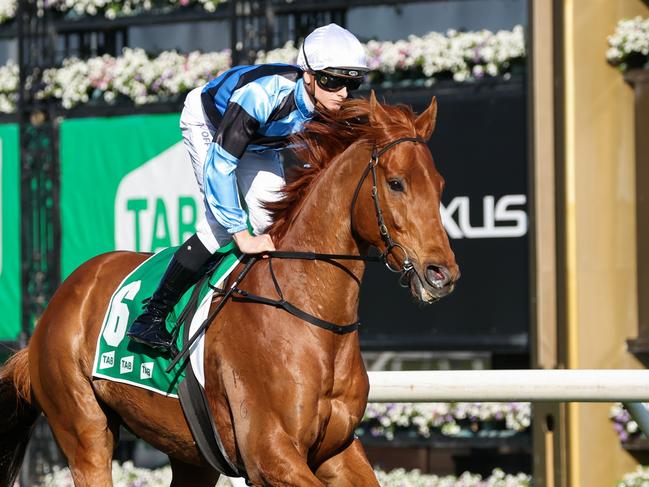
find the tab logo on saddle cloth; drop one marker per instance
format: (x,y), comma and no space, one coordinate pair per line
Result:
(146,370)
(107,360)
(126,365)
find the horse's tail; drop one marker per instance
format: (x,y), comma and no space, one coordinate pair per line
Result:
(17,416)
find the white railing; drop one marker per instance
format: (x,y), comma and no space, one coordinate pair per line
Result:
(628,386)
(509,385)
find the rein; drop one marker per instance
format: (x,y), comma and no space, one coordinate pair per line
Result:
(240,295)
(244,296)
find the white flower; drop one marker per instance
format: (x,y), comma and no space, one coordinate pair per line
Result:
(8,87)
(136,76)
(434,53)
(639,478)
(8,9)
(128,475)
(444,417)
(631,38)
(110,8)
(133,75)
(401,478)
(285,55)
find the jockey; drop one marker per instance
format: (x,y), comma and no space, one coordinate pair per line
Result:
(233,128)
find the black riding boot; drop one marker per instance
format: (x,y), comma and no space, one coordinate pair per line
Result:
(187,266)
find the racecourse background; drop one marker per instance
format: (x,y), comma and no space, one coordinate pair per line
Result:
(584,169)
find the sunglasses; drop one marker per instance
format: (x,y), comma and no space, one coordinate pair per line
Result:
(329,82)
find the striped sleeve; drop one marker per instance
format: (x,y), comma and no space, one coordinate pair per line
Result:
(248,108)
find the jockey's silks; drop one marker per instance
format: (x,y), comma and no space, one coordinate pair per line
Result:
(252,108)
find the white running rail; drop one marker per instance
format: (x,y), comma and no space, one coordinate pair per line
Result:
(510,385)
(631,387)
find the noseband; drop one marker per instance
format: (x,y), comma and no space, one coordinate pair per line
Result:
(390,244)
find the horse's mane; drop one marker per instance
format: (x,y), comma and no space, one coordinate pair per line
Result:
(324,139)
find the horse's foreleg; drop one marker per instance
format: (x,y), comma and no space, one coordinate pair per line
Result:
(184,474)
(276,462)
(350,468)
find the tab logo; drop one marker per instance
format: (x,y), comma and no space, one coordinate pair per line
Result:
(146,370)
(158,204)
(107,360)
(126,365)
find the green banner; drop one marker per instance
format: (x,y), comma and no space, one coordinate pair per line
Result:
(10,322)
(127,183)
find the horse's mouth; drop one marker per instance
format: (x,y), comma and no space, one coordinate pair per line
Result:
(426,293)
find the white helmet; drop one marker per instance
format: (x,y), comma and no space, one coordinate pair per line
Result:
(335,49)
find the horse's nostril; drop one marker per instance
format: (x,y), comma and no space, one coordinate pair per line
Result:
(437,276)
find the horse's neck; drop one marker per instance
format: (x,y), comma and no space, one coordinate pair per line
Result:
(323,225)
(323,221)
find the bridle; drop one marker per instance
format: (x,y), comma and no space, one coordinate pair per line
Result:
(241,295)
(390,244)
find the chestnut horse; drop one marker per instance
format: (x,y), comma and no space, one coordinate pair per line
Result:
(286,395)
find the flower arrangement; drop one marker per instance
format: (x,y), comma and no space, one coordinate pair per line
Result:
(124,475)
(498,478)
(627,429)
(208,5)
(134,76)
(127,475)
(8,10)
(8,87)
(108,8)
(449,419)
(629,45)
(142,79)
(462,56)
(638,478)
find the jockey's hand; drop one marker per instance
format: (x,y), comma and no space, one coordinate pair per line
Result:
(253,244)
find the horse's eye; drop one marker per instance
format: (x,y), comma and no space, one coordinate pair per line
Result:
(395,185)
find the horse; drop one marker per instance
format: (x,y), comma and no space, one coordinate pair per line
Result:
(286,396)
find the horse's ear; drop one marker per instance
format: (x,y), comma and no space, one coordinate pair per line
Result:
(425,123)
(377,112)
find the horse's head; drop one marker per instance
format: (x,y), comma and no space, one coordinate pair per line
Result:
(409,190)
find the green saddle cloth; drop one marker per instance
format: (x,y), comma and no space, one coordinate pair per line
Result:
(120,359)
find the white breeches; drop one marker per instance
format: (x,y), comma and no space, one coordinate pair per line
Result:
(260,176)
